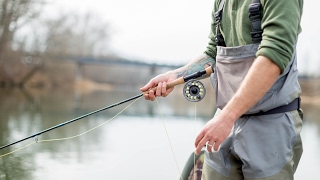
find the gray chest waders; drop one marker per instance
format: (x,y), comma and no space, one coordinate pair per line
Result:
(266,137)
(233,63)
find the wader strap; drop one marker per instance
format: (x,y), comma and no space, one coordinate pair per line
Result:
(294,105)
(218,16)
(255,19)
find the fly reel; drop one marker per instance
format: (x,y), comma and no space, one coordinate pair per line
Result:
(194,90)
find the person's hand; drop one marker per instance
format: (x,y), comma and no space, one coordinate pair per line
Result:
(213,134)
(160,82)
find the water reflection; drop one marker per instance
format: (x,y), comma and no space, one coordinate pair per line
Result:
(135,142)
(24,113)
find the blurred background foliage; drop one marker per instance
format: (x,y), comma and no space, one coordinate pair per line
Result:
(31,43)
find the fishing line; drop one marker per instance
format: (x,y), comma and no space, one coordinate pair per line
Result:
(17,150)
(165,127)
(50,140)
(61,139)
(194,154)
(194,91)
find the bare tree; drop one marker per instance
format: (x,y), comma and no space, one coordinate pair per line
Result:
(76,35)
(13,15)
(68,34)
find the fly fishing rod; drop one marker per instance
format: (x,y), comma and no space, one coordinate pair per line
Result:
(195,90)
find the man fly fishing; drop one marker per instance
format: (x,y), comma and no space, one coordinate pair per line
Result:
(255,134)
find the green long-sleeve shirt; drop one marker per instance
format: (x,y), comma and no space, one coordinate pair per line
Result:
(280,25)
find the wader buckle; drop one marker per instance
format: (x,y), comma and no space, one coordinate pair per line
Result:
(255,19)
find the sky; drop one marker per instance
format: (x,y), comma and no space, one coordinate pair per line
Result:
(176,31)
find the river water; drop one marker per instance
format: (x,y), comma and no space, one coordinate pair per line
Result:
(134,145)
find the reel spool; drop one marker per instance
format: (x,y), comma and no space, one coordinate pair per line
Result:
(194,90)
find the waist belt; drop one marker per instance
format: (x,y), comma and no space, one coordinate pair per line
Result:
(294,105)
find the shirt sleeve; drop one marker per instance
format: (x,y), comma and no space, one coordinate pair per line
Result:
(281,26)
(211,48)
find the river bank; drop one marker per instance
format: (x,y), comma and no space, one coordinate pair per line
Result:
(53,76)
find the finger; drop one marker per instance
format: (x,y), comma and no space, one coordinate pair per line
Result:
(200,146)
(210,145)
(164,89)
(146,96)
(198,139)
(158,91)
(152,96)
(216,146)
(149,96)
